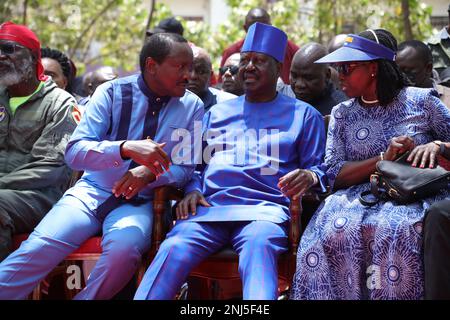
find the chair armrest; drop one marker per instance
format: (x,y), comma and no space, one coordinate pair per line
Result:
(296,210)
(162,196)
(167,193)
(295,225)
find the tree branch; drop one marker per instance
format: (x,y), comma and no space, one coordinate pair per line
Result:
(24,16)
(150,17)
(90,25)
(406,21)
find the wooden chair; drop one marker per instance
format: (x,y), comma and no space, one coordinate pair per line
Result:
(91,249)
(223,265)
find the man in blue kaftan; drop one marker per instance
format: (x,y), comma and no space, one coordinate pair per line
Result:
(261,148)
(124,145)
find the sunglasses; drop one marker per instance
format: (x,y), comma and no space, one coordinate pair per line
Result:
(9,48)
(347,68)
(233,70)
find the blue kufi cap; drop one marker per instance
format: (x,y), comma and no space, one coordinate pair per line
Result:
(267,39)
(357,48)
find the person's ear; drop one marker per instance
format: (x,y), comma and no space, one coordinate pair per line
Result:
(151,65)
(65,82)
(211,76)
(328,73)
(429,69)
(373,69)
(246,24)
(279,65)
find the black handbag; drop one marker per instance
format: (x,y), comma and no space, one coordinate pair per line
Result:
(399,181)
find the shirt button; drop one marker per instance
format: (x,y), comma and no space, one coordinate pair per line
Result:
(116,164)
(158,99)
(153,112)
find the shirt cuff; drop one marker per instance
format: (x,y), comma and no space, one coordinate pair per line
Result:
(193,185)
(322,180)
(112,153)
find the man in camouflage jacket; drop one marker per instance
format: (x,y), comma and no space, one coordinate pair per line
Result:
(36,122)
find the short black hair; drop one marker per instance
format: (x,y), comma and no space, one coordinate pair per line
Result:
(390,80)
(421,48)
(59,57)
(158,47)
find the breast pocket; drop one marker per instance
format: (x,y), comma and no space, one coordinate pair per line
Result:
(26,132)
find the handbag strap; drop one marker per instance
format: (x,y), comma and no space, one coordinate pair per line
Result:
(374,191)
(367,202)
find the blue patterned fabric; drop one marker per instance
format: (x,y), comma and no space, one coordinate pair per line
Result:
(349,251)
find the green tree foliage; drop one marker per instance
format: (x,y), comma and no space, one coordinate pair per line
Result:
(313,20)
(114,29)
(284,14)
(343,16)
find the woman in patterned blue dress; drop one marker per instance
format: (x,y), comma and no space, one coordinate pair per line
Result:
(349,251)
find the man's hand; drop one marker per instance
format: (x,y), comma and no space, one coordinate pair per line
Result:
(398,146)
(296,183)
(147,153)
(133,181)
(426,153)
(189,204)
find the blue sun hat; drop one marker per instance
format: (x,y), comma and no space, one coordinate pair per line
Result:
(357,48)
(267,39)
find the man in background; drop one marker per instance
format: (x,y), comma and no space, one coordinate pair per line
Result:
(262,16)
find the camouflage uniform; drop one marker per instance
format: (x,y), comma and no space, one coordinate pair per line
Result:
(33,174)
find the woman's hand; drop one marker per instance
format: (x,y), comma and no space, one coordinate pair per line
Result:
(296,183)
(133,181)
(189,204)
(423,154)
(398,146)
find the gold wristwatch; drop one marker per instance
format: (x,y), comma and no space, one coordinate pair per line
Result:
(441,146)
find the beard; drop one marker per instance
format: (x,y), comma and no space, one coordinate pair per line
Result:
(12,74)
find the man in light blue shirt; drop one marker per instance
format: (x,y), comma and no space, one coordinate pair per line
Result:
(261,148)
(126,146)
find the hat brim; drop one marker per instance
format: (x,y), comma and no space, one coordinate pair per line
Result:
(346,54)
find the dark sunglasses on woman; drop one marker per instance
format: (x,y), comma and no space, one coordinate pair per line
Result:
(347,68)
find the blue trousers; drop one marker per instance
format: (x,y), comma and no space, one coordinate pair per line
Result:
(126,236)
(258,244)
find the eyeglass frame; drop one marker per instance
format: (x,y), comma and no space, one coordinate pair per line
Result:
(347,68)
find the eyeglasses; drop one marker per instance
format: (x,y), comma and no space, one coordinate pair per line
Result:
(347,68)
(9,48)
(233,70)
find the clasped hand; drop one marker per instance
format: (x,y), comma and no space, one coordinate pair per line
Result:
(133,181)
(147,153)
